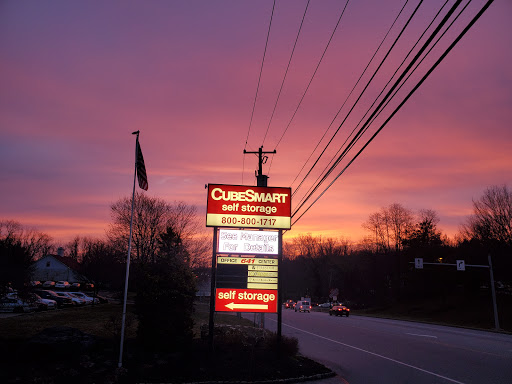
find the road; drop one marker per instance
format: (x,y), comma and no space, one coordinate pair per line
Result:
(364,350)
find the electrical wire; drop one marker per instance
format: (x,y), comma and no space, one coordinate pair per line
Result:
(286,73)
(369,109)
(258,87)
(432,68)
(308,194)
(339,110)
(389,93)
(311,79)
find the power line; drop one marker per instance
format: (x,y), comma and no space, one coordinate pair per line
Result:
(258,86)
(441,58)
(378,111)
(314,73)
(311,80)
(362,129)
(314,187)
(339,110)
(286,73)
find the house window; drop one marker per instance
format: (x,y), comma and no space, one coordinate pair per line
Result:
(47,264)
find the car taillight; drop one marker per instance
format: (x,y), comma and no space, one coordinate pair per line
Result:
(310,307)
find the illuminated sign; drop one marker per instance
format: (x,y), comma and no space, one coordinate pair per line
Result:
(248,242)
(248,207)
(253,261)
(245,300)
(247,272)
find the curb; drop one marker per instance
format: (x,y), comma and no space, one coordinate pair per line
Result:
(301,379)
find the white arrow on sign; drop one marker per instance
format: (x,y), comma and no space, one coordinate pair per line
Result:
(234,306)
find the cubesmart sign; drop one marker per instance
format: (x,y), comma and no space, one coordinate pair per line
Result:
(246,300)
(248,207)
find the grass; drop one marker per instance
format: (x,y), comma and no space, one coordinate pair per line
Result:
(97,321)
(91,319)
(241,352)
(475,312)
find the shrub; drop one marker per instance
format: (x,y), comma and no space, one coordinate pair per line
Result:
(164,305)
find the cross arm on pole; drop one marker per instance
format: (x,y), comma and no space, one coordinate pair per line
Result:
(261,160)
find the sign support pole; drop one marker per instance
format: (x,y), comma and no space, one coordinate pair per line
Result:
(211,324)
(461,266)
(493,292)
(279,293)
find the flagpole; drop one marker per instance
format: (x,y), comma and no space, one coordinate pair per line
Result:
(120,364)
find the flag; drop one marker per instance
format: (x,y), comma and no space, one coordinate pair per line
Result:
(141,169)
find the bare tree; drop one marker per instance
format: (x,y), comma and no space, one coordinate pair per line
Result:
(491,221)
(390,226)
(19,248)
(151,218)
(401,220)
(186,223)
(73,248)
(377,225)
(305,246)
(36,243)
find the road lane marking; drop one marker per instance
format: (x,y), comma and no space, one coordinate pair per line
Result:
(377,355)
(415,334)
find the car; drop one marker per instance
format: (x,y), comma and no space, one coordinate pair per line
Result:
(17,305)
(339,310)
(49,284)
(88,299)
(75,299)
(43,304)
(89,286)
(75,285)
(289,304)
(303,306)
(62,284)
(62,301)
(35,283)
(325,305)
(39,303)
(102,299)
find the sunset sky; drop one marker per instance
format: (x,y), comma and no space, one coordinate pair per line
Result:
(78,77)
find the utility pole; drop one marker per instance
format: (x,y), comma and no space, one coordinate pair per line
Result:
(260,177)
(261,180)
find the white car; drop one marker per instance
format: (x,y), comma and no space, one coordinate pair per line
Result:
(13,304)
(76,300)
(88,299)
(303,306)
(44,303)
(62,284)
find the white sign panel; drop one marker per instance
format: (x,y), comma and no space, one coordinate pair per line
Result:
(461,265)
(418,263)
(248,242)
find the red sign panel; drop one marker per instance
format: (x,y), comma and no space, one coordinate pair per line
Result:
(245,300)
(248,207)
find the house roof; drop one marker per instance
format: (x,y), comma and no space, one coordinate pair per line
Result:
(68,261)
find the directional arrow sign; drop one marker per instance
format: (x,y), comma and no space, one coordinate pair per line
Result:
(246,300)
(255,307)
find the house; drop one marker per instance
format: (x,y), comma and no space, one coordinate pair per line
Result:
(57,267)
